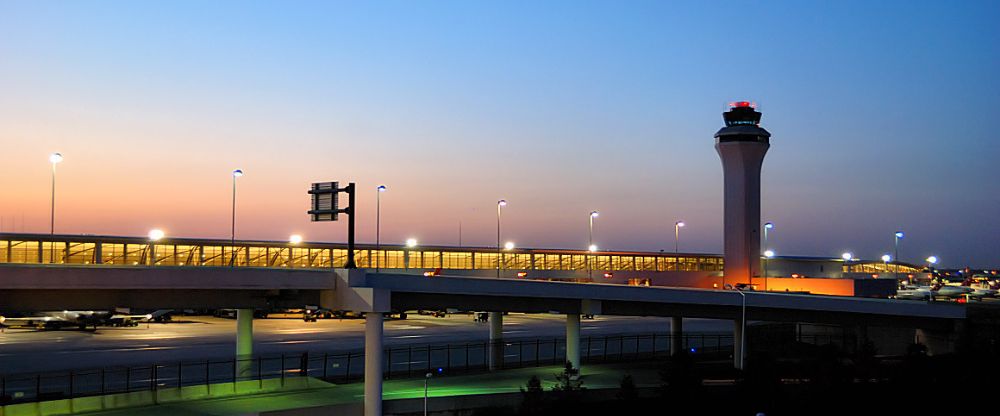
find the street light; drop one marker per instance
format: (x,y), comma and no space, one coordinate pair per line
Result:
(847,256)
(508,245)
(743,324)
(295,239)
(426,378)
(768,254)
(768,226)
(590,243)
(677,235)
(237,173)
(885,261)
(411,242)
(500,204)
(932,260)
(54,158)
(378,225)
(898,236)
(156,234)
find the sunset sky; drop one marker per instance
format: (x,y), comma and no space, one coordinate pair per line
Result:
(882,114)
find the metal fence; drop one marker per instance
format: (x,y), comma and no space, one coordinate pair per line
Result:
(346,367)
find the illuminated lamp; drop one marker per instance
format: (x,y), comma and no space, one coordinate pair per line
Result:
(156,234)
(522,275)
(609,275)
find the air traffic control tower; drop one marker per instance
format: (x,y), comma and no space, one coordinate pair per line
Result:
(741,145)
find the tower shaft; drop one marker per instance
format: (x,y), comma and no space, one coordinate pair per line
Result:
(741,164)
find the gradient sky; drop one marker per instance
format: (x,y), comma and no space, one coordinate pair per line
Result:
(880,114)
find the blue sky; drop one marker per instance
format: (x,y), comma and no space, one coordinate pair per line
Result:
(880,114)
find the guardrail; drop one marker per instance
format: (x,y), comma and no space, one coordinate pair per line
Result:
(346,367)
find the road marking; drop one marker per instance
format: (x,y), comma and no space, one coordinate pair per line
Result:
(301,341)
(408,327)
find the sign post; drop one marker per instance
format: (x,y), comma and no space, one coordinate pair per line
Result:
(326,207)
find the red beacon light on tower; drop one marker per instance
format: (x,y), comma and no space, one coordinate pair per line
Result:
(742,104)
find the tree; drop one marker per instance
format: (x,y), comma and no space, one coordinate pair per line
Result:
(627,390)
(569,379)
(532,396)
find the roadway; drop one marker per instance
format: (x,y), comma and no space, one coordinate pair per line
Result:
(198,338)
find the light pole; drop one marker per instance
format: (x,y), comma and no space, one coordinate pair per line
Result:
(885,261)
(237,173)
(500,204)
(768,226)
(898,236)
(155,235)
(54,158)
(427,377)
(743,327)
(848,256)
(767,256)
(677,235)
(378,219)
(590,244)
(931,261)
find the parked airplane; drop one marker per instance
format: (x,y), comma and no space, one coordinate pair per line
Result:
(80,319)
(939,290)
(56,319)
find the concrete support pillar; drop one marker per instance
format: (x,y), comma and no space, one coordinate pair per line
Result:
(573,340)
(496,340)
(738,339)
(374,359)
(244,343)
(676,335)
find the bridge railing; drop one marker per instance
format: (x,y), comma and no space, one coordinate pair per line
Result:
(343,367)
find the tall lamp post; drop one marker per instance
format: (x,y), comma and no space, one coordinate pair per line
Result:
(590,244)
(677,235)
(848,256)
(237,173)
(378,219)
(898,236)
(931,261)
(54,158)
(426,378)
(768,226)
(885,261)
(768,254)
(743,329)
(500,204)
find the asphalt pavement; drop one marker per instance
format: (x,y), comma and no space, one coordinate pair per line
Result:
(199,338)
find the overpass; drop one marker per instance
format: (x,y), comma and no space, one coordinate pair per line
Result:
(85,272)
